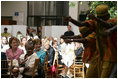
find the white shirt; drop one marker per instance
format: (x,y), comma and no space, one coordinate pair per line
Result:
(62,48)
(30,63)
(23,55)
(5,47)
(69,55)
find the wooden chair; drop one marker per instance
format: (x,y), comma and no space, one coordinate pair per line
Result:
(45,65)
(36,65)
(59,67)
(5,68)
(78,67)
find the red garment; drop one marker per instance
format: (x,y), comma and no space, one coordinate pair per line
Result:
(52,69)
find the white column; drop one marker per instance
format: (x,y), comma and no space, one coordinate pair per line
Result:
(73,12)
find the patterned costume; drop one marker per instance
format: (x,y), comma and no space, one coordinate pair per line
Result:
(106,53)
(90,54)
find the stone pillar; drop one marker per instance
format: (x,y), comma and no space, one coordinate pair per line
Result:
(73,12)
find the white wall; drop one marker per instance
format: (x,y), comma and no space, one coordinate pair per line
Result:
(8,8)
(73,12)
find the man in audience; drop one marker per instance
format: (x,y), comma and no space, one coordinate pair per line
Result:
(5,33)
(69,32)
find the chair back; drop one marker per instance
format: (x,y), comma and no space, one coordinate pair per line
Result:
(36,66)
(59,67)
(45,65)
(78,67)
(5,68)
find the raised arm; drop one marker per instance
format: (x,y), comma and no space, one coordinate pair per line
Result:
(109,31)
(70,37)
(78,23)
(82,40)
(99,20)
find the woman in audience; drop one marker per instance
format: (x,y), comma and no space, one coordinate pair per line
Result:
(3,41)
(19,35)
(62,48)
(14,52)
(43,41)
(51,54)
(67,59)
(54,65)
(55,45)
(71,51)
(4,45)
(78,48)
(29,59)
(51,39)
(41,54)
(22,46)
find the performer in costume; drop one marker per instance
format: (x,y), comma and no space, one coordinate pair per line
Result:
(106,58)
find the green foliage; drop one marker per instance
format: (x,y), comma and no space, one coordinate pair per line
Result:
(80,2)
(71,4)
(112,6)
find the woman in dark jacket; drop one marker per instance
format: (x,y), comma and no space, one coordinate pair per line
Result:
(51,54)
